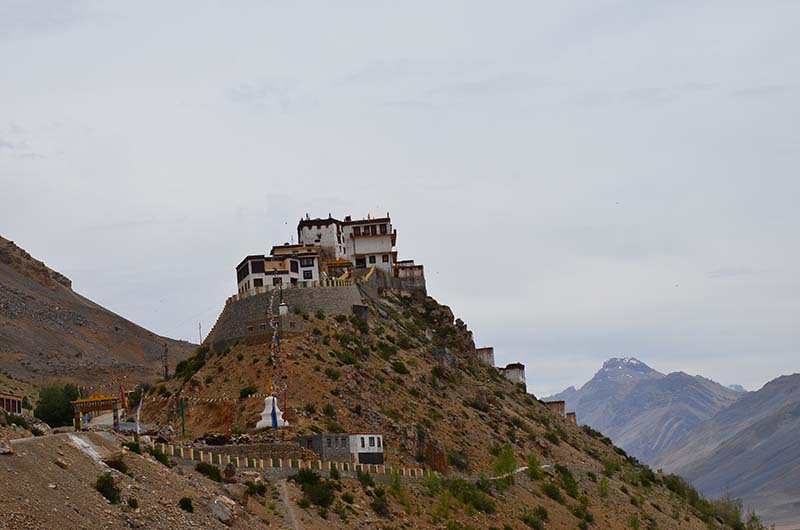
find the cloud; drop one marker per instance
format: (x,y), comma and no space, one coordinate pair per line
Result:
(729,272)
(281,96)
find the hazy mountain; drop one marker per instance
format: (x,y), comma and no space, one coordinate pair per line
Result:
(48,331)
(642,410)
(749,450)
(737,388)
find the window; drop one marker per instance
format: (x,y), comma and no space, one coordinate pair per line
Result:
(361,263)
(385,258)
(293,265)
(330,441)
(306,262)
(309,444)
(258,282)
(379,441)
(308,275)
(249,329)
(374,230)
(384,229)
(372,259)
(362,442)
(257,265)
(372,441)
(356,230)
(277,281)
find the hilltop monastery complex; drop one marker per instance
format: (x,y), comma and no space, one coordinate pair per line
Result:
(328,269)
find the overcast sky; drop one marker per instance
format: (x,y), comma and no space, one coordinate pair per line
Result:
(581,180)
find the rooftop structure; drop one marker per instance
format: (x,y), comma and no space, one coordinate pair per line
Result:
(556,407)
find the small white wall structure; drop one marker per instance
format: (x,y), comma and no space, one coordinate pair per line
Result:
(486,355)
(514,372)
(272,415)
(367,447)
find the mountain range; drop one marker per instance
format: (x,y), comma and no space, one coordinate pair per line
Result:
(644,411)
(724,440)
(50,332)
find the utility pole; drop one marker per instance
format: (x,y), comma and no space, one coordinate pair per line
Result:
(164,362)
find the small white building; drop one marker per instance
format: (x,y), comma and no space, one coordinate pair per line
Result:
(324,233)
(367,447)
(486,355)
(370,242)
(514,372)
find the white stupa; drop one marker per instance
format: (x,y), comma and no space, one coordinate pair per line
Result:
(271,415)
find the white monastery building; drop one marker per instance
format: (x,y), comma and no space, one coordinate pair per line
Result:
(328,249)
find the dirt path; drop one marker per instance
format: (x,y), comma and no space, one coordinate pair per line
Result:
(288,506)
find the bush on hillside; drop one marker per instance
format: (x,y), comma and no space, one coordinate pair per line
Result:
(160,456)
(247,391)
(186,504)
(209,470)
(107,488)
(54,404)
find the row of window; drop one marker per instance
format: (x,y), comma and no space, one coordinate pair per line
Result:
(336,440)
(371,230)
(362,262)
(372,441)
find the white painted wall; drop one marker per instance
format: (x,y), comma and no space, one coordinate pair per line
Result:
(355,443)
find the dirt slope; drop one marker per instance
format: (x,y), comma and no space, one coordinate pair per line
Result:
(48,331)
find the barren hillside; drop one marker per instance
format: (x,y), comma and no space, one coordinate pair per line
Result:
(410,371)
(48,331)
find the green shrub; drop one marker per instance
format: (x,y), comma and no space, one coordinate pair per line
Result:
(186,504)
(552,437)
(247,391)
(329,410)
(332,373)
(360,324)
(107,488)
(533,521)
(399,367)
(505,464)
(256,488)
(404,343)
(133,503)
(570,484)
(458,460)
(160,456)
(315,490)
(209,470)
(347,497)
(133,446)
(534,467)
(552,491)
(340,319)
(310,408)
(320,314)
(380,503)
(365,479)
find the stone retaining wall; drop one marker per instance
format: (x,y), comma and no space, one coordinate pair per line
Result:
(232,322)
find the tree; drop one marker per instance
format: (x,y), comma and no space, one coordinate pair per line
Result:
(53,407)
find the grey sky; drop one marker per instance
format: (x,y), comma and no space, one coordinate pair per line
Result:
(580,179)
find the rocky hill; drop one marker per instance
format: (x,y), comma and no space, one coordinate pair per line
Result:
(50,332)
(749,450)
(644,411)
(410,371)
